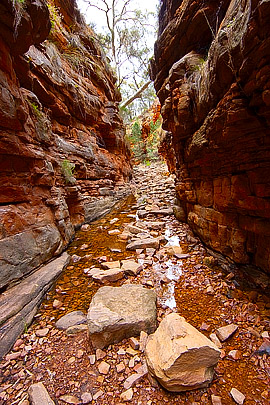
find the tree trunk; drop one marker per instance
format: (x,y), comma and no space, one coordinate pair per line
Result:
(136,95)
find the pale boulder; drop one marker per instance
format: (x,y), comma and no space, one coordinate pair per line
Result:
(39,395)
(116,313)
(179,356)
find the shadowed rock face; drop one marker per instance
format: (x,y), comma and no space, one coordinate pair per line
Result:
(63,159)
(212,76)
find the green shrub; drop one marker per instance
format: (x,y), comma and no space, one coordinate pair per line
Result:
(67,168)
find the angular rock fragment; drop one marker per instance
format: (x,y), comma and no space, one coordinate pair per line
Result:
(39,395)
(111,275)
(131,267)
(110,265)
(126,396)
(136,377)
(116,313)
(179,356)
(237,396)
(74,330)
(174,251)
(71,319)
(144,243)
(216,400)
(225,332)
(70,399)
(134,229)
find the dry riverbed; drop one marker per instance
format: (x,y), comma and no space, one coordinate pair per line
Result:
(208,293)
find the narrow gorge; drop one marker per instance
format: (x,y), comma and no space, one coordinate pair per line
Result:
(109,268)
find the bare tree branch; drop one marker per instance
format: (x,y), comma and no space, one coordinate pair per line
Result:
(136,95)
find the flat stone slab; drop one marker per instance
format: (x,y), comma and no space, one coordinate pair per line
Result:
(116,313)
(144,243)
(134,229)
(110,265)
(108,276)
(71,319)
(131,267)
(179,356)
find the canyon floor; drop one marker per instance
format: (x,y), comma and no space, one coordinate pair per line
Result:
(209,293)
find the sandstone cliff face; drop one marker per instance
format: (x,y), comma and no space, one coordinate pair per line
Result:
(212,76)
(63,158)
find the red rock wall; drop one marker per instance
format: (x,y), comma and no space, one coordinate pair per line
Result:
(58,107)
(212,76)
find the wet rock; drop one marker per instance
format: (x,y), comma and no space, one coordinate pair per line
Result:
(179,356)
(39,395)
(116,313)
(131,267)
(225,332)
(143,244)
(237,396)
(71,319)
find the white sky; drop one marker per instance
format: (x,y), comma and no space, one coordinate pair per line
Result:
(93,15)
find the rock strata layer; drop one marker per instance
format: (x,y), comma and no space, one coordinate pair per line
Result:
(116,313)
(63,158)
(19,304)
(212,76)
(189,358)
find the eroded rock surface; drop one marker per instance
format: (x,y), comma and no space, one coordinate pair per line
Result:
(212,77)
(63,159)
(19,304)
(189,358)
(116,313)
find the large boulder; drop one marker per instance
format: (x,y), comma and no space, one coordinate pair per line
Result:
(179,356)
(116,313)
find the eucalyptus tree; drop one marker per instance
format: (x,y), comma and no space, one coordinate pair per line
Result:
(125,38)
